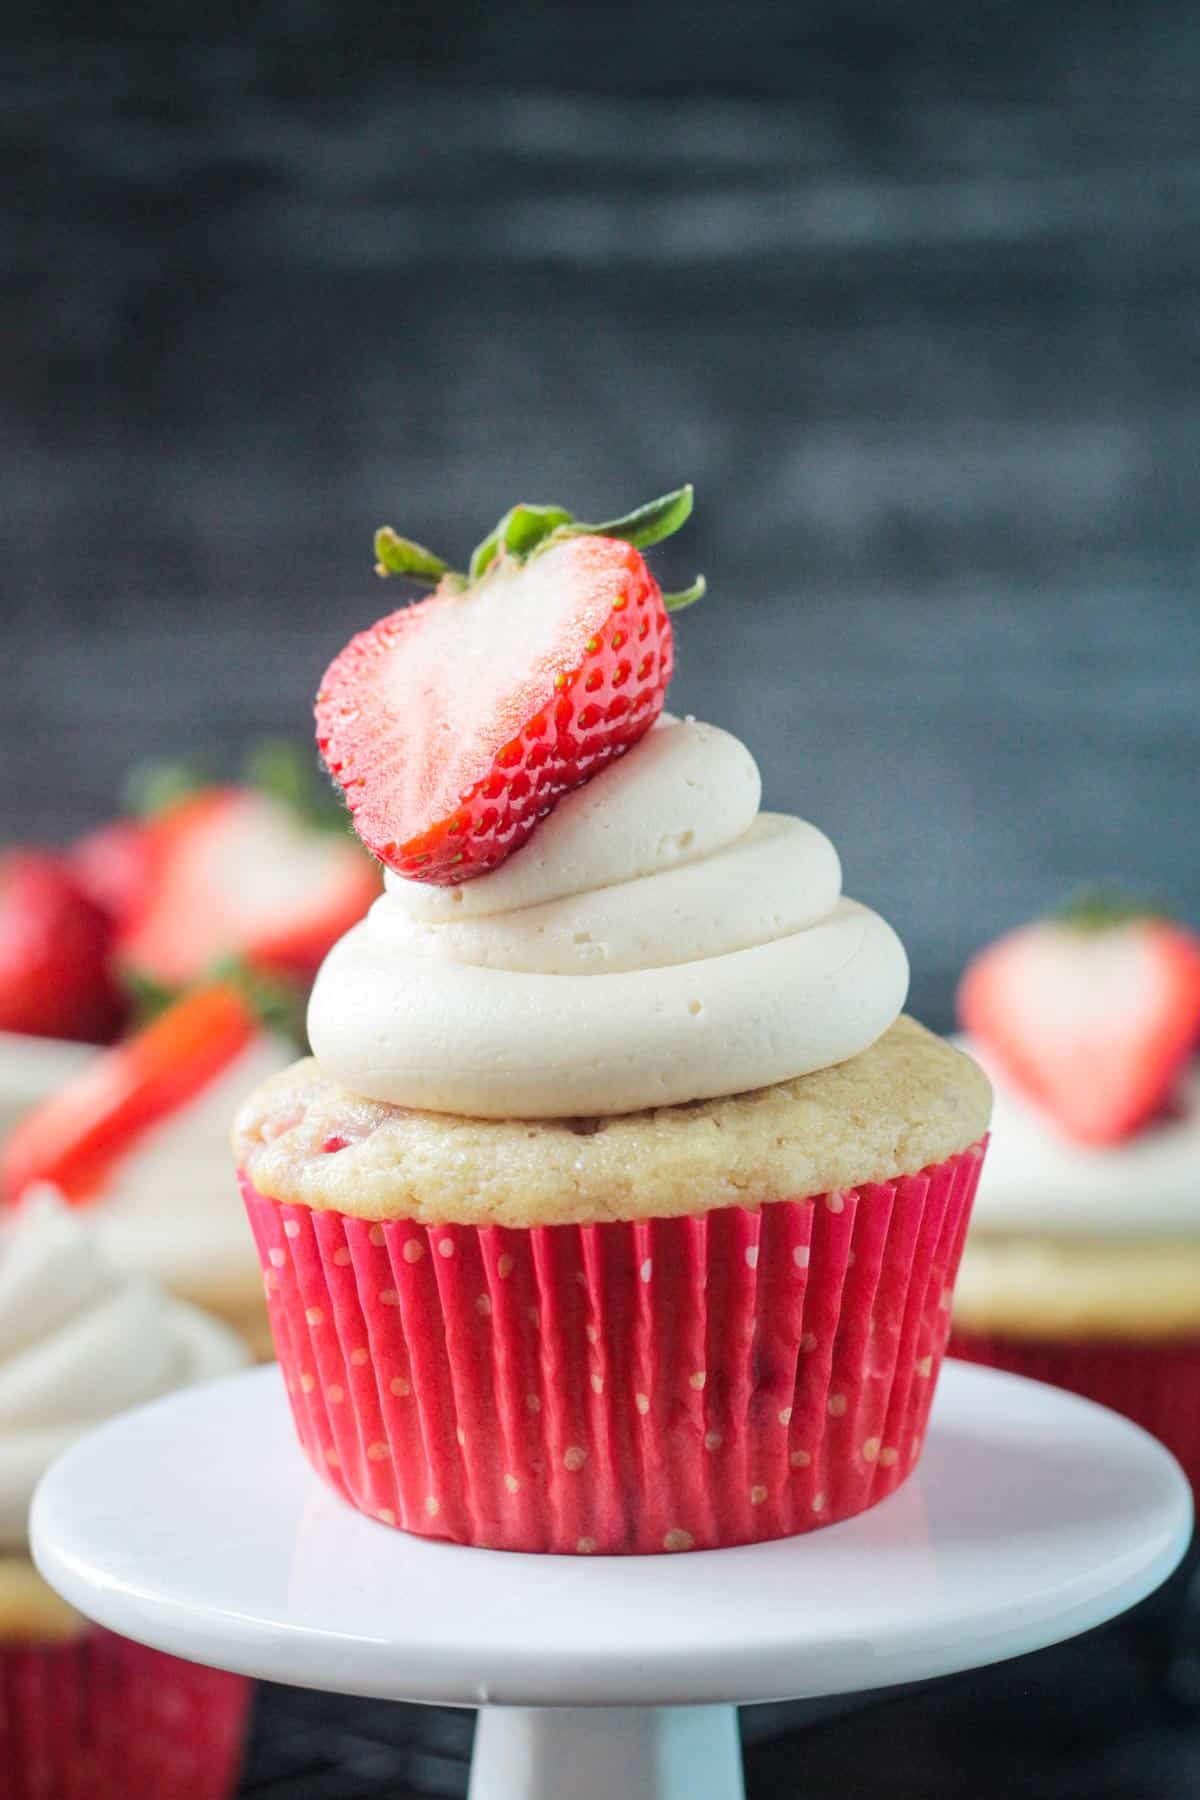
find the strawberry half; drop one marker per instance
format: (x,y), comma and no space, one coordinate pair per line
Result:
(72,1138)
(1093,1015)
(55,945)
(233,872)
(111,864)
(455,724)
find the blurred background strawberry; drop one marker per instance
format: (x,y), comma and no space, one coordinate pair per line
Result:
(197,878)
(57,976)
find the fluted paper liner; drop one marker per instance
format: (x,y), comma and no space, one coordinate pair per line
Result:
(101,1718)
(674,1384)
(1157,1385)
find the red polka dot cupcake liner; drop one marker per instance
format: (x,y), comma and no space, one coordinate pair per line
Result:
(622,1388)
(1155,1385)
(101,1718)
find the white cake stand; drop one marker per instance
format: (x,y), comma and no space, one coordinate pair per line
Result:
(194,1525)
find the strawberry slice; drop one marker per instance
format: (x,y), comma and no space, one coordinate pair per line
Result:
(111,864)
(55,946)
(454,725)
(73,1138)
(1093,1015)
(233,872)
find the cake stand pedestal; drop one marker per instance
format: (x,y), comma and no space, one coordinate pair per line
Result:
(195,1526)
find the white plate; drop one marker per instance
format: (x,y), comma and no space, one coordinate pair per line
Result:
(195,1525)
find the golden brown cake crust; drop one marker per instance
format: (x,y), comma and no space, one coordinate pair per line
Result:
(30,1611)
(1072,1289)
(908,1101)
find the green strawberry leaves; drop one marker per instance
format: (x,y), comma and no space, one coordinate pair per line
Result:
(154,784)
(395,555)
(687,596)
(1103,909)
(279,767)
(526,529)
(288,773)
(519,532)
(648,524)
(279,1003)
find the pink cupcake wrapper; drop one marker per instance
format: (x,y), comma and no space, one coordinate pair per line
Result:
(101,1718)
(722,1378)
(1155,1385)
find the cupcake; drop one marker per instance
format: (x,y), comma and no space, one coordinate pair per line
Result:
(84,1712)
(210,888)
(619,1210)
(260,872)
(1083,1263)
(137,1137)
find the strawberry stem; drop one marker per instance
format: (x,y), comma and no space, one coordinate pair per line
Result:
(525,529)
(687,597)
(395,555)
(152,786)
(1103,909)
(519,532)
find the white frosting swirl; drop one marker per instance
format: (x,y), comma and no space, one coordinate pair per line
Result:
(658,940)
(79,1342)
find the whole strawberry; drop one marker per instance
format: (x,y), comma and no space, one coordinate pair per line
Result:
(455,724)
(1092,1014)
(55,942)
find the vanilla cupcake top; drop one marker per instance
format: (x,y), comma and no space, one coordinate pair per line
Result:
(659,940)
(904,1104)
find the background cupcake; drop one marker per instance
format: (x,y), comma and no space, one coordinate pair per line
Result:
(83,1712)
(1083,1264)
(208,910)
(137,1139)
(195,876)
(619,1212)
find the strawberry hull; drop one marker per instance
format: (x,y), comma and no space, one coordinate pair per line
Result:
(1155,1385)
(101,1718)
(625,1388)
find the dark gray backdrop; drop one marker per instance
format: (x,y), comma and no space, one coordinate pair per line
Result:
(910,295)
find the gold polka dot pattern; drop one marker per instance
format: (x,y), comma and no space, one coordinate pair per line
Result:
(669,1384)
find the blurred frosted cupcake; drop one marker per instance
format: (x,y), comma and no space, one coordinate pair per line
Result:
(260,872)
(137,1137)
(82,1711)
(256,877)
(1083,1264)
(620,1210)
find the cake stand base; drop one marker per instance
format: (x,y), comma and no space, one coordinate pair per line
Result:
(194,1525)
(600,1752)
